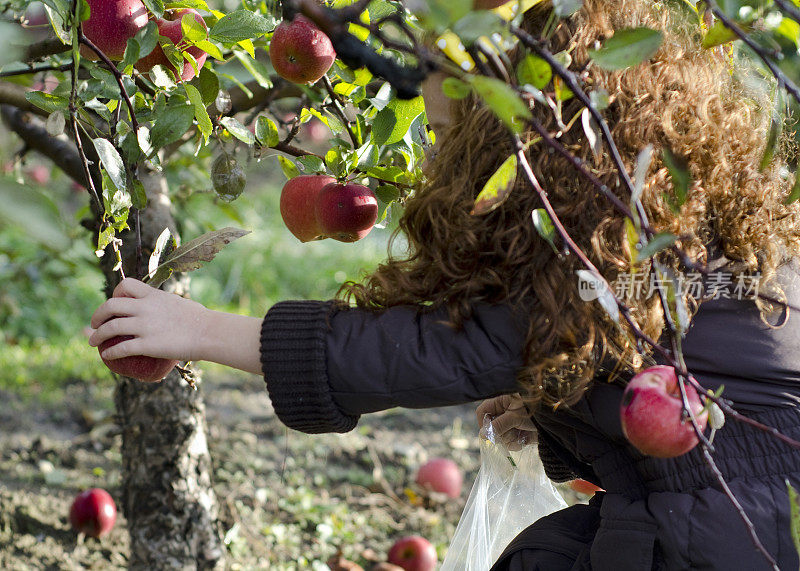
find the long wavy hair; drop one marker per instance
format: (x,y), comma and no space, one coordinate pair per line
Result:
(684,99)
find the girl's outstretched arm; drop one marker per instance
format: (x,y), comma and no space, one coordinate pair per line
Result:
(172,327)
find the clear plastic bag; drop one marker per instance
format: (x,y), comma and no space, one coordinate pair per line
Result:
(510,492)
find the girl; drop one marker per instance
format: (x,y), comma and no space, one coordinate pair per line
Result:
(483,306)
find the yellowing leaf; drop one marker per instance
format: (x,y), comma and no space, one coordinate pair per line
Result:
(497,188)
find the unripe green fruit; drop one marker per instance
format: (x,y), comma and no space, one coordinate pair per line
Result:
(227,177)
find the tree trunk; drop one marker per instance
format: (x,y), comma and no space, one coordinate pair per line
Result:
(167,496)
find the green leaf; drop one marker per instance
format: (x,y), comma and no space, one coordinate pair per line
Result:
(310,164)
(193,30)
(503,100)
(455,88)
(111,161)
(658,242)
(289,169)
(200,112)
(171,123)
(195,254)
(155,7)
(240,25)
(794,510)
(566,8)
(544,226)
(238,130)
(138,194)
(254,68)
(392,123)
(774,133)
(47,101)
(534,71)
(497,188)
(476,24)
(267,131)
(795,192)
(165,245)
(679,173)
(208,85)
(628,47)
(717,35)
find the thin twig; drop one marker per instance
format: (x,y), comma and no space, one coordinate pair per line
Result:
(339,110)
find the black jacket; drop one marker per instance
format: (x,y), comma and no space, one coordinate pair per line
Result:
(325,365)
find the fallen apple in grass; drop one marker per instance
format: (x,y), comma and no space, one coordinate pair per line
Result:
(346,212)
(652,413)
(413,553)
(93,512)
(300,52)
(298,203)
(141,367)
(441,475)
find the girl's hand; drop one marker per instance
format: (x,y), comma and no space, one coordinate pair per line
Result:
(162,324)
(510,419)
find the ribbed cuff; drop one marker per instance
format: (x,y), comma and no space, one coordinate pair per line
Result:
(295,370)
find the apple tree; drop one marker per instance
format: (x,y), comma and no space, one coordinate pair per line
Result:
(119,94)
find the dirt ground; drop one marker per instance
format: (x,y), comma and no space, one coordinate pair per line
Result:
(288,501)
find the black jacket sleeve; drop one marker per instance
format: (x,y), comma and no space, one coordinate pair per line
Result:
(325,364)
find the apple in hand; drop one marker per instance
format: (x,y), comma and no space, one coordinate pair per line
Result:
(298,200)
(346,212)
(652,413)
(93,512)
(300,52)
(141,367)
(441,475)
(413,553)
(584,487)
(111,24)
(170,27)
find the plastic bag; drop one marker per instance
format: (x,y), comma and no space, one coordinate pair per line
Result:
(510,492)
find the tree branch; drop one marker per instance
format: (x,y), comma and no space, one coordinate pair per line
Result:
(13,94)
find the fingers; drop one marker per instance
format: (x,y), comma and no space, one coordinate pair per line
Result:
(130,287)
(492,407)
(114,307)
(125,348)
(117,327)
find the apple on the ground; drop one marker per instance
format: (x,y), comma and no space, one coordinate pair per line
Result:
(413,553)
(441,475)
(652,416)
(111,24)
(346,212)
(170,27)
(300,52)
(93,512)
(298,204)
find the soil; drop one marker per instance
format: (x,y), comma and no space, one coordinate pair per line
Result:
(287,500)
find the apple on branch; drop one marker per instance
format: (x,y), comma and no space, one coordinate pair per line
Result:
(111,24)
(170,27)
(300,52)
(298,204)
(346,212)
(652,414)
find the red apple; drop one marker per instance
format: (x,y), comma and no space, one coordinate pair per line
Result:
(441,475)
(652,413)
(171,28)
(39,174)
(300,52)
(413,553)
(141,367)
(93,512)
(111,24)
(584,487)
(346,212)
(298,201)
